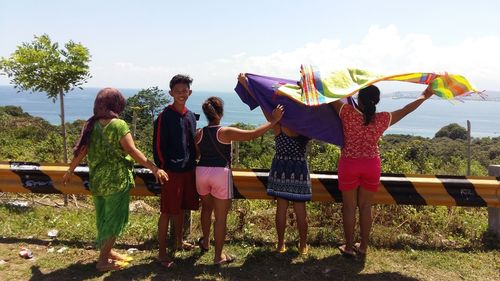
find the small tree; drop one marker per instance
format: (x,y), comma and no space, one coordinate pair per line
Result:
(41,66)
(147,104)
(452,131)
(141,110)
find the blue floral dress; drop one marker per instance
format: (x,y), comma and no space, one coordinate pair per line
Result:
(289,175)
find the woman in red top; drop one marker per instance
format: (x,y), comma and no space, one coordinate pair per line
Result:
(359,163)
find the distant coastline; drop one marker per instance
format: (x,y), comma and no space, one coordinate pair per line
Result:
(426,121)
(488,96)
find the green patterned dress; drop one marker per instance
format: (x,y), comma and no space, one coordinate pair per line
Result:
(110,178)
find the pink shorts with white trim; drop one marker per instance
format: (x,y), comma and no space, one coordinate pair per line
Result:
(353,172)
(217,181)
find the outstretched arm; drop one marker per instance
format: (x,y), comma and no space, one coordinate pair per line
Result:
(227,134)
(400,113)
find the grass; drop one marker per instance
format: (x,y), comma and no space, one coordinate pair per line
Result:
(409,243)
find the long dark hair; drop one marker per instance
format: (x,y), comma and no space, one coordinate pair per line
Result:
(109,103)
(213,107)
(369,98)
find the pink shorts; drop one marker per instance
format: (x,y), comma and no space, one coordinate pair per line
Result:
(217,181)
(354,172)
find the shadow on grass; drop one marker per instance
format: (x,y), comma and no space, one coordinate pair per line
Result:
(259,265)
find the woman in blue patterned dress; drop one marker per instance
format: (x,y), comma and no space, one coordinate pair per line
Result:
(289,179)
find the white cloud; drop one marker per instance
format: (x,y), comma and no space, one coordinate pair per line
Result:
(382,50)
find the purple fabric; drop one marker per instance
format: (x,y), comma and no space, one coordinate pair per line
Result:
(317,122)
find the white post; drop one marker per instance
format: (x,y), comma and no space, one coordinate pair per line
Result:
(494,213)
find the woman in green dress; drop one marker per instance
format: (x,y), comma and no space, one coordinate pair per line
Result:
(110,151)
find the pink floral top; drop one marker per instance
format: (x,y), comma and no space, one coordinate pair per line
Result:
(362,141)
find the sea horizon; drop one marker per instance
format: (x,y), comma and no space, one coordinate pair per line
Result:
(425,121)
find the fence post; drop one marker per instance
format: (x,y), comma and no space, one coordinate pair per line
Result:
(494,213)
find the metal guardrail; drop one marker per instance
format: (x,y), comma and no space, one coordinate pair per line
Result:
(24,177)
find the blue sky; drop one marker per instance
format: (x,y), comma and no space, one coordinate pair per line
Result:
(139,44)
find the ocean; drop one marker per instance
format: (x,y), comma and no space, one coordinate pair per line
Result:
(425,121)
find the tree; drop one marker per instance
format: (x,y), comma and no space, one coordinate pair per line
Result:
(42,66)
(146,104)
(452,131)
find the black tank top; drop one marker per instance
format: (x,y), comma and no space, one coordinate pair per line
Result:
(210,156)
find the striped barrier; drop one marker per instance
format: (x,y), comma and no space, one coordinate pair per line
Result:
(23,177)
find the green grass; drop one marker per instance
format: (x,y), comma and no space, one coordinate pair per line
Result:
(408,243)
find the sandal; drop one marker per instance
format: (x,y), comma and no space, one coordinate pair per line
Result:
(111,266)
(185,246)
(304,251)
(281,250)
(226,260)
(356,248)
(122,258)
(345,253)
(166,263)
(199,242)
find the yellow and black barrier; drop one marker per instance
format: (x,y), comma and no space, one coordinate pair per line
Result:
(24,177)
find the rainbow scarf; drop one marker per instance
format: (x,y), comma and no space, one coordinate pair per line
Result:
(316,89)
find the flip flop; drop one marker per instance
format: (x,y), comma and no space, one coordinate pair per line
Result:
(125,258)
(304,251)
(110,267)
(356,248)
(122,264)
(166,263)
(345,253)
(199,242)
(185,246)
(281,250)
(227,260)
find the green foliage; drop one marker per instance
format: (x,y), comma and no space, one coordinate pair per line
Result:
(147,104)
(41,66)
(452,131)
(322,156)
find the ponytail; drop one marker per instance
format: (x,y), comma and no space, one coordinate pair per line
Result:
(213,108)
(369,98)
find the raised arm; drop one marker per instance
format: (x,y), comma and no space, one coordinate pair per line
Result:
(400,113)
(128,146)
(243,81)
(337,105)
(227,134)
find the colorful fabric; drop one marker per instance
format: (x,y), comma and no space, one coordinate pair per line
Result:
(111,215)
(289,174)
(361,141)
(319,87)
(110,168)
(319,122)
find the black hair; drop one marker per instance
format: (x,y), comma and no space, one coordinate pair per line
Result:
(369,98)
(181,79)
(213,108)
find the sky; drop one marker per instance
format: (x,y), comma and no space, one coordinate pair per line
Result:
(140,44)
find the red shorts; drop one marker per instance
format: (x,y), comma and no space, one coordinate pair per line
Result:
(179,193)
(354,172)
